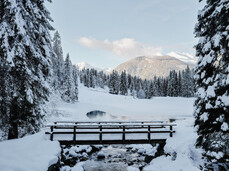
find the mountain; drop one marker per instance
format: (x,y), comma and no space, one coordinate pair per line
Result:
(82,65)
(185,57)
(148,67)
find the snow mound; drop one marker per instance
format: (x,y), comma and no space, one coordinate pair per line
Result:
(31,153)
(182,154)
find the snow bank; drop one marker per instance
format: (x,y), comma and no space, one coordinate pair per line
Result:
(181,149)
(31,153)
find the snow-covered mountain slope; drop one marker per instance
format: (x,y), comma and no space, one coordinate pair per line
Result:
(82,65)
(148,67)
(185,57)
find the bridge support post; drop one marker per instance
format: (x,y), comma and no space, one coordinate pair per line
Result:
(51,135)
(124,135)
(100,133)
(171,131)
(149,138)
(74,135)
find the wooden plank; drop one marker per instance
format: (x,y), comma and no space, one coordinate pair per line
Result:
(114,132)
(82,122)
(117,127)
(94,142)
(113,125)
(116,124)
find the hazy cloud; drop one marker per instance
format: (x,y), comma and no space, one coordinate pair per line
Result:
(125,47)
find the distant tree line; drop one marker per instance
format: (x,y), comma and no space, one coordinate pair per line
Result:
(179,83)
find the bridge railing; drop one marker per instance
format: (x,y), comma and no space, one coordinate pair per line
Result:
(101,129)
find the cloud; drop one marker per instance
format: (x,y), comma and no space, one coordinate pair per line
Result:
(125,47)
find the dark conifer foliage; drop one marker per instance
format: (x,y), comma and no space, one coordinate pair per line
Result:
(114,83)
(65,75)
(25,61)
(69,89)
(211,74)
(57,62)
(125,84)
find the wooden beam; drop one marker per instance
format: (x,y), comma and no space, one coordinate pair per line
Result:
(95,142)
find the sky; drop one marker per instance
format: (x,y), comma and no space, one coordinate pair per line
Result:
(105,33)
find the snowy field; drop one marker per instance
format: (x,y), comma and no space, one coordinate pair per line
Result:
(120,107)
(36,153)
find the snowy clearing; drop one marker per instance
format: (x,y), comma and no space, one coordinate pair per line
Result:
(120,107)
(36,153)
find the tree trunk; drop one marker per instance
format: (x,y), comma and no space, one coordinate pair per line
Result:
(13,131)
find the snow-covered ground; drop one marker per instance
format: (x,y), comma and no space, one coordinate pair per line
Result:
(36,153)
(31,153)
(125,107)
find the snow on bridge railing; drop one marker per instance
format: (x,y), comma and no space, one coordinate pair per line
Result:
(112,128)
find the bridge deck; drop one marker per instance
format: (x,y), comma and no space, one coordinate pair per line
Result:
(86,133)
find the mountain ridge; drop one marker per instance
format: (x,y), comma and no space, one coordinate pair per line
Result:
(147,67)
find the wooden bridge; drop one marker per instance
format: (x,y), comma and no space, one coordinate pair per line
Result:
(88,133)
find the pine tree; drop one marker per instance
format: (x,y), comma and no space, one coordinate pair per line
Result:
(172,84)
(211,74)
(69,91)
(58,61)
(114,83)
(151,90)
(179,85)
(141,93)
(92,78)
(5,94)
(123,84)
(187,83)
(26,47)
(75,80)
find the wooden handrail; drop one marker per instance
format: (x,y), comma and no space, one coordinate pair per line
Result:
(117,125)
(56,122)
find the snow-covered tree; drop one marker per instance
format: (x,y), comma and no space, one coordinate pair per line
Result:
(123,84)
(92,78)
(26,51)
(173,84)
(141,93)
(75,80)
(69,90)
(114,83)
(212,78)
(57,61)
(5,93)
(187,83)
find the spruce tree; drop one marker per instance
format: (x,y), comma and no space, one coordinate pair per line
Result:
(58,61)
(69,90)
(5,94)
(114,83)
(26,47)
(211,74)
(123,84)
(75,80)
